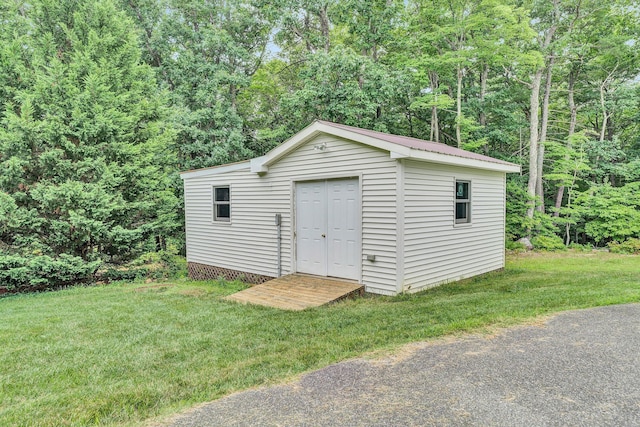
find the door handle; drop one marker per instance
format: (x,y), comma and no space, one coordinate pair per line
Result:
(323,235)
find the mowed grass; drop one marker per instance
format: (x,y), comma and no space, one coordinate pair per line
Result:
(126,353)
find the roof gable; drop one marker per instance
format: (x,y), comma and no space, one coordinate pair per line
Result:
(397,146)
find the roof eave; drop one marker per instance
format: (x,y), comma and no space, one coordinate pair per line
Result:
(447,159)
(397,151)
(216,170)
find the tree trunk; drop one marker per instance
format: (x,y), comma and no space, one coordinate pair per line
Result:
(567,225)
(543,134)
(435,132)
(460,71)
(233,95)
(484,76)
(534,105)
(435,127)
(605,115)
(302,33)
(572,128)
(324,26)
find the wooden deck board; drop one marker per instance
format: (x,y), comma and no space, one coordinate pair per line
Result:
(297,292)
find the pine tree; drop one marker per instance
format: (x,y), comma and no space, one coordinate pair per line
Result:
(83,144)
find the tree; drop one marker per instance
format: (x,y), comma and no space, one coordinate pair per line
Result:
(83,145)
(260,104)
(343,87)
(305,27)
(548,19)
(205,53)
(369,25)
(455,40)
(570,164)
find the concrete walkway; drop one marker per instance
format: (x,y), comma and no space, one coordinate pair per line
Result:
(580,368)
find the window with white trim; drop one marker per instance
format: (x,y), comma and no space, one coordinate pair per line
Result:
(222,204)
(463,202)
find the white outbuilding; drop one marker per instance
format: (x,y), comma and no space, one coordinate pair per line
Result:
(394,213)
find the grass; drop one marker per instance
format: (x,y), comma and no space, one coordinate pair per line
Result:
(126,353)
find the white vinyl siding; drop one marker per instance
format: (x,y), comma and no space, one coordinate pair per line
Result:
(436,249)
(248,242)
(433,248)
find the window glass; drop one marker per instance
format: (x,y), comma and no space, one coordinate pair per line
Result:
(221,204)
(223,211)
(462,190)
(463,202)
(222,194)
(461,211)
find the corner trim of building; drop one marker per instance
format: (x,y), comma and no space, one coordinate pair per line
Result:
(400,177)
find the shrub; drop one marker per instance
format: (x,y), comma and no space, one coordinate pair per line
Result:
(548,243)
(177,264)
(582,248)
(128,274)
(629,246)
(611,213)
(510,245)
(20,273)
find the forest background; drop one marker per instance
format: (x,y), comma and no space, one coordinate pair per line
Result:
(104,102)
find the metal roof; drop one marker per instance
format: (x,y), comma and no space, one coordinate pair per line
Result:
(417,144)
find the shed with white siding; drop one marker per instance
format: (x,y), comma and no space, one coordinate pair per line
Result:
(396,214)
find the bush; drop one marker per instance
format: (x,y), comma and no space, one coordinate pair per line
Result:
(548,243)
(128,274)
(582,248)
(30,273)
(629,246)
(510,245)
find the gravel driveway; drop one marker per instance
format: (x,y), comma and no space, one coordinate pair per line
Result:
(579,368)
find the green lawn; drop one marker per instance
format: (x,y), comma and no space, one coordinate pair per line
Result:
(122,354)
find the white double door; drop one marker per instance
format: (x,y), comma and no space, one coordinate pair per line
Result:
(328,228)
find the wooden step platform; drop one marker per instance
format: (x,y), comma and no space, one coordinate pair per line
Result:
(298,291)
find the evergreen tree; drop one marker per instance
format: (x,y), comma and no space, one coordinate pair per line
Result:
(83,146)
(205,53)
